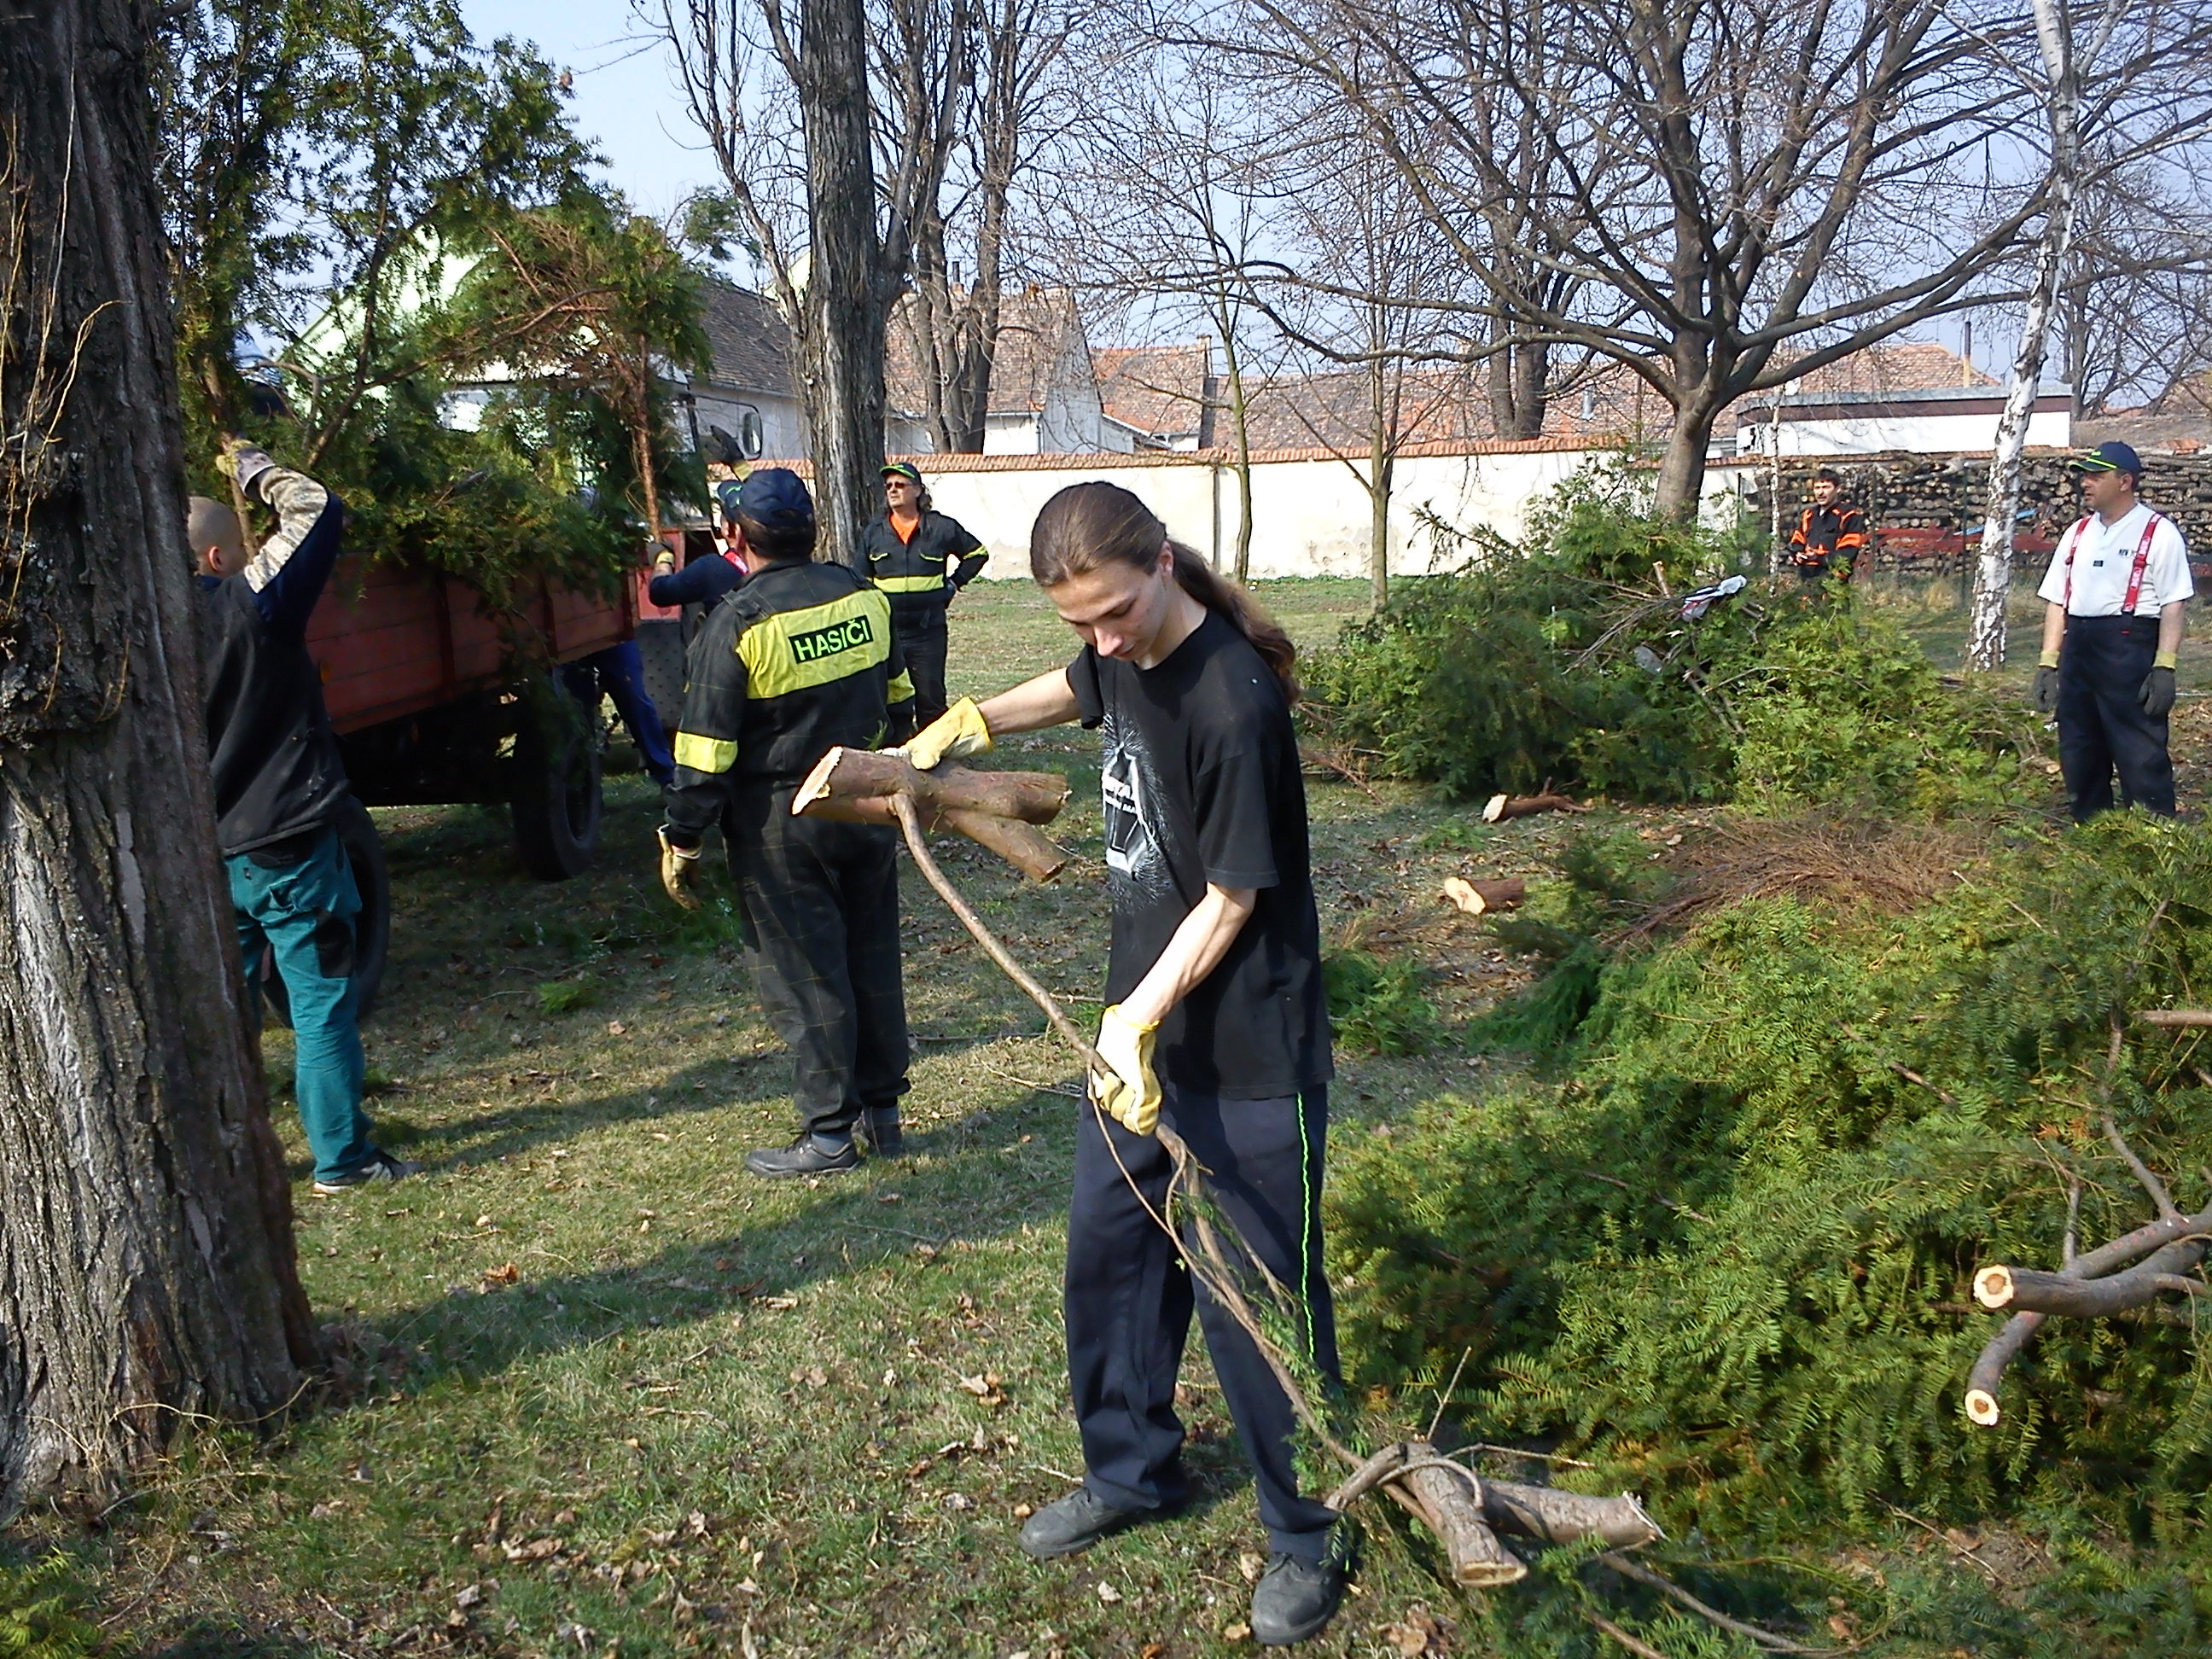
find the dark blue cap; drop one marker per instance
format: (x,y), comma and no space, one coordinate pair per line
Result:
(775,498)
(2110,456)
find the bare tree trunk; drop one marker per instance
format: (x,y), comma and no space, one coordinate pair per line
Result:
(1682,463)
(1380,438)
(843,343)
(1985,628)
(1240,417)
(146,1253)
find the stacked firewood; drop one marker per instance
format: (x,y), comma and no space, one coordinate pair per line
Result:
(1927,510)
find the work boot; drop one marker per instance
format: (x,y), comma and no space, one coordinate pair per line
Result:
(1295,1599)
(1074,1523)
(880,1124)
(809,1154)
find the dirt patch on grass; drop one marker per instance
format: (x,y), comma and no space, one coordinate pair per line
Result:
(1841,862)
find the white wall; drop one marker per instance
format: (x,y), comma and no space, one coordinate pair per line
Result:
(1309,517)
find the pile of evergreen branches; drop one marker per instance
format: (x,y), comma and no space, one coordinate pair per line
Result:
(1718,1241)
(1566,661)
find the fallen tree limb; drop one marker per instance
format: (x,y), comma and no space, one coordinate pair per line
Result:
(1668,1587)
(1552,1517)
(999,810)
(1501,807)
(2175,1019)
(2000,1287)
(1448,1498)
(1989,1368)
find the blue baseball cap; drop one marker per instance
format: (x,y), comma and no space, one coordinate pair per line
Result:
(775,498)
(2110,457)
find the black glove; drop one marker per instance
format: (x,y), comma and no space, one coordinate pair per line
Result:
(2157,694)
(2046,696)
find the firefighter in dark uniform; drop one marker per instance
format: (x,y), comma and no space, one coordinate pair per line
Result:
(1830,538)
(2114,596)
(907,550)
(799,659)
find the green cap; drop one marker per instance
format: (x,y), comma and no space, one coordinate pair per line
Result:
(902,470)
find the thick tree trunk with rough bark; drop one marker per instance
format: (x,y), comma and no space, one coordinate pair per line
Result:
(842,342)
(147,1276)
(1682,463)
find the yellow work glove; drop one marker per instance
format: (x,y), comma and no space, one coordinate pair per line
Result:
(242,461)
(956,734)
(676,864)
(1129,1093)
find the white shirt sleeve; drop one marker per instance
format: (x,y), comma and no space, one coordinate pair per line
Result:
(2169,564)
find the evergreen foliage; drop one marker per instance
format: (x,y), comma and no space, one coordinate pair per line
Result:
(1720,1242)
(40,1613)
(1565,661)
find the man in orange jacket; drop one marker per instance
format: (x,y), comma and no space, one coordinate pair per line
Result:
(1830,538)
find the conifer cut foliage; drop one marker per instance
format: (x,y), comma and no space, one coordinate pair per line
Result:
(147,1276)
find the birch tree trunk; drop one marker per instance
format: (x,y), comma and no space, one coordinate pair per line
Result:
(147,1276)
(1985,631)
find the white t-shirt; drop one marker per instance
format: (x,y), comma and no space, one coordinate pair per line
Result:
(2104,557)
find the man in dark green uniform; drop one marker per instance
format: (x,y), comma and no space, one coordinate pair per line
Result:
(907,550)
(797,659)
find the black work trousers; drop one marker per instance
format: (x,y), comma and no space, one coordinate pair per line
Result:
(822,933)
(1129,1296)
(2102,728)
(919,620)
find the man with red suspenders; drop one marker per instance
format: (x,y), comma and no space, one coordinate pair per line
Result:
(2117,583)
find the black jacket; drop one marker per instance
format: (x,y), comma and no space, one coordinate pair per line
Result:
(913,571)
(797,661)
(277,768)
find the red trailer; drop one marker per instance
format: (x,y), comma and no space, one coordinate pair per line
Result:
(430,709)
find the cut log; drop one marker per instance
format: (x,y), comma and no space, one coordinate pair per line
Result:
(1501,807)
(1479,898)
(1449,1499)
(2177,1019)
(1988,1370)
(856,774)
(1562,1517)
(2028,1291)
(999,810)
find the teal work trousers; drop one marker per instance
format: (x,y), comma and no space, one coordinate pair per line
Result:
(301,914)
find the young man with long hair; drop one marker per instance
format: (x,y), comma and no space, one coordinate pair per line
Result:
(1215,1024)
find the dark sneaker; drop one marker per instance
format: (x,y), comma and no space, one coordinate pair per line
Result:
(1295,1599)
(1074,1523)
(809,1154)
(880,1124)
(381,1167)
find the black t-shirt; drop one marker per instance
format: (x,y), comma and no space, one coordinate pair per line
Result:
(1201,783)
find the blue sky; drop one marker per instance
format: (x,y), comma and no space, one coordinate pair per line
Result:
(625,101)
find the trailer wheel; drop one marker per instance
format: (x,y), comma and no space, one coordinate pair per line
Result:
(557,785)
(364,851)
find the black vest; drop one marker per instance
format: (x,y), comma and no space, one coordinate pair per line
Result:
(276,762)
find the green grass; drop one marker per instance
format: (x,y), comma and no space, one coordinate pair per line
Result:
(592,1376)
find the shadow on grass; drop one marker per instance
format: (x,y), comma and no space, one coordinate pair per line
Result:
(208,1639)
(968,1181)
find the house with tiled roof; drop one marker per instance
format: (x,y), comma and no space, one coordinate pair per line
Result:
(1165,397)
(1904,395)
(1044,392)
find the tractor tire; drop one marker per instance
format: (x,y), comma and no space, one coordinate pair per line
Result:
(555,797)
(364,851)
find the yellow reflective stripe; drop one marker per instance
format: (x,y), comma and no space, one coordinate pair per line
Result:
(715,755)
(792,650)
(902,687)
(911,583)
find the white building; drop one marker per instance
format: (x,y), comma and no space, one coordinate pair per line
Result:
(1945,420)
